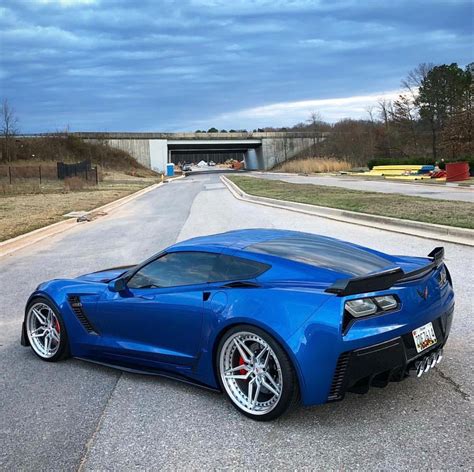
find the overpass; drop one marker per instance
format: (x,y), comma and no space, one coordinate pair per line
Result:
(261,151)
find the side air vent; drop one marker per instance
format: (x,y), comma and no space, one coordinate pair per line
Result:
(76,306)
(337,392)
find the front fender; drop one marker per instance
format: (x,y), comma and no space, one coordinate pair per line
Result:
(56,292)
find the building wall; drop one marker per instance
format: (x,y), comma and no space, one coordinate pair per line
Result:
(278,150)
(158,154)
(137,148)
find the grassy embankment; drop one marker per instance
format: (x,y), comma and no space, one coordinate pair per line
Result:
(444,212)
(26,204)
(23,212)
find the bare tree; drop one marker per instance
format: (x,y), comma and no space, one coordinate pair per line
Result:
(404,115)
(9,127)
(385,111)
(315,121)
(415,78)
(370,109)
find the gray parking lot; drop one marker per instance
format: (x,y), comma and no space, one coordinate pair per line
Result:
(74,415)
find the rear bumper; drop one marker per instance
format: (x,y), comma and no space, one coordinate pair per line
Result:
(379,364)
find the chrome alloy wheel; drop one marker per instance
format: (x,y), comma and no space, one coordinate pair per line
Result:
(43,329)
(251,373)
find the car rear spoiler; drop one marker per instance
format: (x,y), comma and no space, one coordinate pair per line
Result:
(385,279)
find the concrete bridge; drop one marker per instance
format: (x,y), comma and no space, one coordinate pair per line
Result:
(261,151)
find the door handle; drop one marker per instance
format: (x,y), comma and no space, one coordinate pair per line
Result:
(146,297)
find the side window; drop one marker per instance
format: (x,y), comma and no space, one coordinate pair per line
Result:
(175,269)
(236,268)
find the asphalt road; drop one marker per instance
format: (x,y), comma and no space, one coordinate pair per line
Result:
(74,415)
(414,189)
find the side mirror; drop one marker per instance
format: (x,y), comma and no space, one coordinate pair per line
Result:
(117,285)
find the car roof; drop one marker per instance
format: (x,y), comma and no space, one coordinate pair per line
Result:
(323,252)
(242,238)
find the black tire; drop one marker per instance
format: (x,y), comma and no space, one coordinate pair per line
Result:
(62,351)
(289,394)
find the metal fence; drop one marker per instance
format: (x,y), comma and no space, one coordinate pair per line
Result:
(82,169)
(47,172)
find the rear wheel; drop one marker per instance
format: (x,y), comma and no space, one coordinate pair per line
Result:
(46,331)
(256,373)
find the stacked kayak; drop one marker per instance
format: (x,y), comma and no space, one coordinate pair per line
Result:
(402,172)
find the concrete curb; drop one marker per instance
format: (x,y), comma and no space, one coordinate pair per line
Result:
(448,234)
(19,242)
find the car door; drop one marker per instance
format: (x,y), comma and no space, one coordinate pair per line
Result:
(159,317)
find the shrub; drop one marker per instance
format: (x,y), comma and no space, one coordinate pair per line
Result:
(313,165)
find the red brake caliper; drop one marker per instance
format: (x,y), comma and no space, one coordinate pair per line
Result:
(57,325)
(241,361)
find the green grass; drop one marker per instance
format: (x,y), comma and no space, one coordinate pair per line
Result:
(443,212)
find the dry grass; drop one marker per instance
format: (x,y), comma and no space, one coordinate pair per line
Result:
(313,165)
(129,176)
(22,213)
(32,186)
(443,212)
(72,184)
(28,203)
(23,188)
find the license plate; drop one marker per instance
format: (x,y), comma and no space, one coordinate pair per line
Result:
(424,337)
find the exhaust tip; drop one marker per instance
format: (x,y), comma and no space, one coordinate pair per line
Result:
(419,369)
(439,356)
(427,364)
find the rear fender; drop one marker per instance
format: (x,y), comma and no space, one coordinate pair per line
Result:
(279,312)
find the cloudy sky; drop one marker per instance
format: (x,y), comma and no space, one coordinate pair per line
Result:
(162,65)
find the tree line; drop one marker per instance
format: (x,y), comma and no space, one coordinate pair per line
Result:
(432,118)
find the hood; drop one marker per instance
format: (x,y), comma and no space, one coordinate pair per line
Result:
(105,276)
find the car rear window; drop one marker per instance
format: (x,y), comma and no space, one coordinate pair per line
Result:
(330,254)
(236,268)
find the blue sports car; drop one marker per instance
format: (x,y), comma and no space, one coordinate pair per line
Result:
(269,317)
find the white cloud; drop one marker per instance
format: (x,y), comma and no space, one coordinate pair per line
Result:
(330,45)
(242,7)
(68,3)
(290,113)
(43,34)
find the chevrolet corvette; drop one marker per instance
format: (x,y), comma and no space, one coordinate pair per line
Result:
(272,318)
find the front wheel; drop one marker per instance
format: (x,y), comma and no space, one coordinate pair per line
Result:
(256,373)
(46,331)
